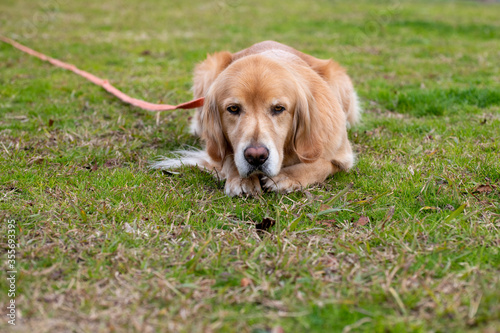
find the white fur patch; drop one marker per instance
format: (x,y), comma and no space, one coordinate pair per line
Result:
(242,165)
(198,158)
(272,166)
(354,112)
(195,127)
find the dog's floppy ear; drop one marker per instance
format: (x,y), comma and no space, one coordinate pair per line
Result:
(307,127)
(212,133)
(206,74)
(207,71)
(341,84)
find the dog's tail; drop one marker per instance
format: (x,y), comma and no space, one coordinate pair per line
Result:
(353,109)
(197,158)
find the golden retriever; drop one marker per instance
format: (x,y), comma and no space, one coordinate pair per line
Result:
(273,118)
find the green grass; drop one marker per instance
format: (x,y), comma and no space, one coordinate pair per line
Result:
(106,244)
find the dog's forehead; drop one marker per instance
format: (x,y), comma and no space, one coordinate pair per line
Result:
(274,100)
(258,69)
(255,79)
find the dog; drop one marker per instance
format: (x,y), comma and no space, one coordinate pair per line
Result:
(274,118)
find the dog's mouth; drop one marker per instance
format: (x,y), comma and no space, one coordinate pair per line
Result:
(252,170)
(261,170)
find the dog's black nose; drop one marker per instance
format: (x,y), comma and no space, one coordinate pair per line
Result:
(256,156)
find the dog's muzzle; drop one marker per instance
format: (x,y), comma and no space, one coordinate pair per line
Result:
(259,158)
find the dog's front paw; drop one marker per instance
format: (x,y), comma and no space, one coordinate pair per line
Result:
(243,186)
(282,183)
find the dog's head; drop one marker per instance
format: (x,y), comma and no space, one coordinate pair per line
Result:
(262,112)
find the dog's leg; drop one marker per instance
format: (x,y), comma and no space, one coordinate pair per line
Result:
(235,185)
(300,175)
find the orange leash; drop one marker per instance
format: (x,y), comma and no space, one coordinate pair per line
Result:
(104,83)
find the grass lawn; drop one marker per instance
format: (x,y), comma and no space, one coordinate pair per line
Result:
(408,241)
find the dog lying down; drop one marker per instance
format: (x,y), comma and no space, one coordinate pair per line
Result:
(273,118)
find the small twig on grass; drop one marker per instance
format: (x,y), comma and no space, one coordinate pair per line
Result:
(6,150)
(356,325)
(398,300)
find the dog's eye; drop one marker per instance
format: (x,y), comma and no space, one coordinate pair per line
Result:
(278,109)
(233,109)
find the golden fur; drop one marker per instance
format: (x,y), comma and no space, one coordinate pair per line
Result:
(273,118)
